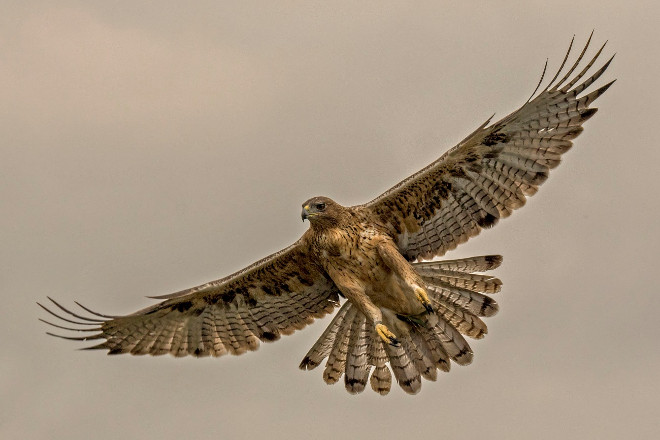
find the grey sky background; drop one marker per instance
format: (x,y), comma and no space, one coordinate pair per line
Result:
(150,147)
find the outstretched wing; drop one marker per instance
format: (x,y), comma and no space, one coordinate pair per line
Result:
(490,173)
(274,296)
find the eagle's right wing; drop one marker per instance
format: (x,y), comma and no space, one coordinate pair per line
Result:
(276,295)
(491,172)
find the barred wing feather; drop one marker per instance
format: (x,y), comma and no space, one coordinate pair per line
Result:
(275,296)
(491,172)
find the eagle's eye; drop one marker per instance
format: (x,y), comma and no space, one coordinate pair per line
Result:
(320,206)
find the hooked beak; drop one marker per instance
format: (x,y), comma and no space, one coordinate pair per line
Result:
(305,213)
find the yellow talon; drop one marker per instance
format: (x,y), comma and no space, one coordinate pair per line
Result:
(423,297)
(386,335)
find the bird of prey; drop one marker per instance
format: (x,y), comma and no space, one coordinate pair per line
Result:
(404,313)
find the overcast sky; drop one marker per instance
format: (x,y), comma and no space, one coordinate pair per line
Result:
(148,148)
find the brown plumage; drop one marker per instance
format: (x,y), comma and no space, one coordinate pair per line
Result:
(403,317)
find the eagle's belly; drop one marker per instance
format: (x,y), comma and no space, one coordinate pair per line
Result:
(354,262)
(391,292)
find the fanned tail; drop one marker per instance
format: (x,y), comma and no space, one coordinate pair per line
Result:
(428,342)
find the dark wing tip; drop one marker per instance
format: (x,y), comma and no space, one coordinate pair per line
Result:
(307,364)
(76,338)
(269,336)
(95,313)
(489,307)
(493,261)
(545,68)
(92,321)
(488,221)
(587,114)
(96,323)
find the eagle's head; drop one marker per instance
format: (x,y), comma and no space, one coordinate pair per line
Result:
(321,211)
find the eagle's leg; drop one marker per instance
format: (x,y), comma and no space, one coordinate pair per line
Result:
(356,294)
(386,335)
(359,298)
(399,265)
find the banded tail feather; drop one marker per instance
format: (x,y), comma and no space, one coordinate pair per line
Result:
(427,342)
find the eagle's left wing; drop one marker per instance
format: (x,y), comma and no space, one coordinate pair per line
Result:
(490,173)
(276,295)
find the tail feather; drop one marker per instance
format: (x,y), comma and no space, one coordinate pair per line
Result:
(321,348)
(464,321)
(438,353)
(428,342)
(381,377)
(454,284)
(474,302)
(453,342)
(474,282)
(336,364)
(422,356)
(465,265)
(357,366)
(381,380)
(404,369)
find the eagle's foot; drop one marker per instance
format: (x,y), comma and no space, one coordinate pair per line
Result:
(423,297)
(386,335)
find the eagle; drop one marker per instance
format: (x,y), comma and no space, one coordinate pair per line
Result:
(405,313)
